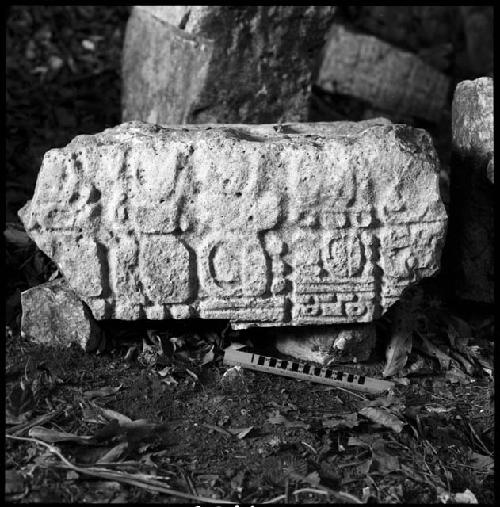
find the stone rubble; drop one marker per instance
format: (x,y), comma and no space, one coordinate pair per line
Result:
(328,344)
(53,314)
(471,243)
(221,64)
(267,225)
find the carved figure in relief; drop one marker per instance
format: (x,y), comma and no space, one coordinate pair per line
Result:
(164,197)
(344,255)
(276,248)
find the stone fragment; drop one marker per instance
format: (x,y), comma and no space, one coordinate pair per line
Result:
(471,215)
(292,224)
(386,77)
(328,344)
(53,314)
(221,64)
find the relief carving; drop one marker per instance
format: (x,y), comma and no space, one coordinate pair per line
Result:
(317,225)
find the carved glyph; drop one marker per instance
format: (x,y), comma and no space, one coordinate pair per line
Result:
(303,224)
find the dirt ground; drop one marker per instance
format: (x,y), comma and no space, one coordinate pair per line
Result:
(252,438)
(156,416)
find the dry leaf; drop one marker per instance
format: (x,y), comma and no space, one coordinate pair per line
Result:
(343,421)
(466,497)
(208,357)
(14,482)
(383,460)
(114,454)
(16,236)
(242,434)
(383,417)
(192,374)
(112,414)
(459,332)
(401,342)
(131,354)
(165,371)
(277,418)
(54,436)
(455,376)
(354,471)
(481,462)
(21,399)
(313,479)
(429,348)
(92,414)
(169,381)
(101,393)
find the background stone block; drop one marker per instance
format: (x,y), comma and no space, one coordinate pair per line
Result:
(471,243)
(382,75)
(221,64)
(291,224)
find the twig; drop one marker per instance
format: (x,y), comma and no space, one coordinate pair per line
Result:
(120,476)
(276,499)
(478,439)
(309,446)
(218,429)
(21,428)
(327,491)
(351,392)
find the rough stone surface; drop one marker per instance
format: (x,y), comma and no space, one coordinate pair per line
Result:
(472,206)
(53,314)
(386,77)
(290,224)
(221,64)
(328,344)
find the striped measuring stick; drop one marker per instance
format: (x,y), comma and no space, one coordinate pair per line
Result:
(305,371)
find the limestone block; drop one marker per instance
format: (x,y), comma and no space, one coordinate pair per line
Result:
(386,77)
(221,64)
(292,224)
(328,345)
(53,314)
(471,216)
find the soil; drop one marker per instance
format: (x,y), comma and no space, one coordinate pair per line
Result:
(195,448)
(203,435)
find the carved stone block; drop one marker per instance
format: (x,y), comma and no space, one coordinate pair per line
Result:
(221,64)
(471,242)
(386,77)
(293,224)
